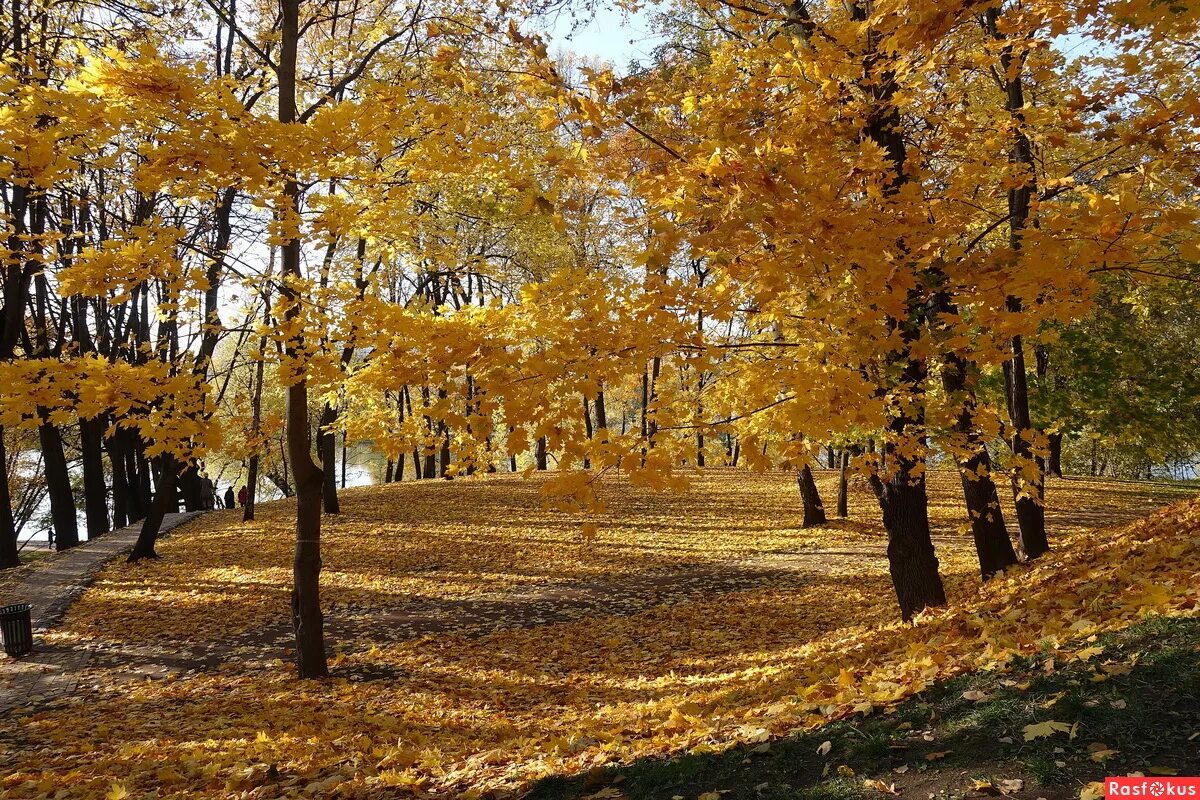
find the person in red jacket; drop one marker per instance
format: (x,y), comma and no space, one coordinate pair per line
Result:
(243,496)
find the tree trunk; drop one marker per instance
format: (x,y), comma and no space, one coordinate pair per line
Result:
(540,453)
(163,502)
(58,481)
(120,482)
(251,487)
(1027,494)
(398,476)
(601,413)
(9,555)
(587,425)
(444,457)
(327,442)
(306,564)
(1031,514)
(137,472)
(814,509)
(992,545)
(912,563)
(189,484)
(95,490)
(903,500)
(843,501)
(387,471)
(1055,462)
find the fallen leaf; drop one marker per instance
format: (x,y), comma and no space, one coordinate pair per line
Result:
(1042,729)
(880,786)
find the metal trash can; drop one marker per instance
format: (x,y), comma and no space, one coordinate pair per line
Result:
(16,624)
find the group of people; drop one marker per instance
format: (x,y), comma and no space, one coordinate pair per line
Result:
(211,497)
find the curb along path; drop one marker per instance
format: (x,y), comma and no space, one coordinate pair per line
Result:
(52,670)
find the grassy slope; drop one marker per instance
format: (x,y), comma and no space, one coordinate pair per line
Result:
(941,743)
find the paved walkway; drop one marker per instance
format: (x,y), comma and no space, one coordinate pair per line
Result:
(52,670)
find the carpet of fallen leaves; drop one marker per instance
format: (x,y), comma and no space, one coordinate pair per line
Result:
(481,642)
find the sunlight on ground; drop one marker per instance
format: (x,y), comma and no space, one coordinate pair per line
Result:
(481,643)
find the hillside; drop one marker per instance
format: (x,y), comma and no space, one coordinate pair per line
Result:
(483,644)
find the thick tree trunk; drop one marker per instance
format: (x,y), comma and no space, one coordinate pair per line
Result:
(163,503)
(398,476)
(843,501)
(814,509)
(306,563)
(327,442)
(903,500)
(387,471)
(95,490)
(58,482)
(9,555)
(912,562)
(540,455)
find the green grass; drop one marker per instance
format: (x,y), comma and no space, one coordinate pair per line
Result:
(1148,715)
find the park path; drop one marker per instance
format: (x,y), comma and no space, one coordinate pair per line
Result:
(52,670)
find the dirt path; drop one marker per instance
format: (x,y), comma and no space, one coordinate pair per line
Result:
(50,587)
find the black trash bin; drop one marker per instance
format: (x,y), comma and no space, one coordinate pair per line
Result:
(16,624)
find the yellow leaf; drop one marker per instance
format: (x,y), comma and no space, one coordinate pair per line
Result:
(1042,729)
(880,786)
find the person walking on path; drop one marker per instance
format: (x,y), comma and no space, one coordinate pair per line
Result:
(229,497)
(243,496)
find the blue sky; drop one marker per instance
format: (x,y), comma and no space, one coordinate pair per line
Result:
(609,34)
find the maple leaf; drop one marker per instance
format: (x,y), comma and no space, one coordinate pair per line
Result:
(1039,730)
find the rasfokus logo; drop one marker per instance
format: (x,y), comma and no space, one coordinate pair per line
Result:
(1152,787)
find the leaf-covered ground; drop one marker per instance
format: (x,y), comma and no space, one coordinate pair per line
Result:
(1041,729)
(483,644)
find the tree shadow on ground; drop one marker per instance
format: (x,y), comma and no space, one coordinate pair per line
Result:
(1137,708)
